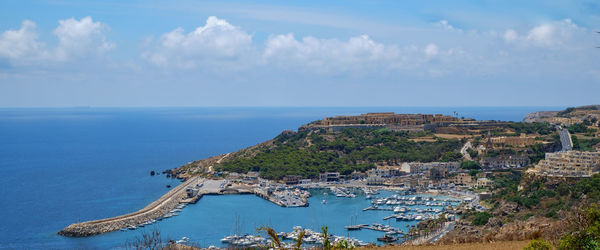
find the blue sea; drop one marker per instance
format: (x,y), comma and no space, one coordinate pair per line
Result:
(63,165)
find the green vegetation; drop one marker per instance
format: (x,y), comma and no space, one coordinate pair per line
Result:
(477,218)
(470,165)
(481,218)
(538,244)
(580,128)
(472,153)
(586,145)
(585,231)
(565,112)
(308,153)
(542,128)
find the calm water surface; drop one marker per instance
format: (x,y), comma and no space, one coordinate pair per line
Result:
(59,166)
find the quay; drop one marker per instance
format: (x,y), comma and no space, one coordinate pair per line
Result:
(154,210)
(187,192)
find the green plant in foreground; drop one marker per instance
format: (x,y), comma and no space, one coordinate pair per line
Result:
(298,244)
(538,244)
(275,241)
(326,243)
(585,233)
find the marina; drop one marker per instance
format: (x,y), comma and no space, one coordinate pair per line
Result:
(288,239)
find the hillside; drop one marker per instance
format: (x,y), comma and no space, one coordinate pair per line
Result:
(580,114)
(526,207)
(310,152)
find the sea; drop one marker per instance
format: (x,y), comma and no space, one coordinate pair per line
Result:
(59,166)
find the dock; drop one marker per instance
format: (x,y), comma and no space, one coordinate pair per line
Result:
(164,206)
(154,210)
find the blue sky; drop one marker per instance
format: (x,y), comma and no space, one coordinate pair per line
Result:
(299,53)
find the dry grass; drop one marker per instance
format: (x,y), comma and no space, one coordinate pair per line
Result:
(453,136)
(426,139)
(464,246)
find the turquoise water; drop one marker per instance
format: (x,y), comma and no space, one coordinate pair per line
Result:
(59,166)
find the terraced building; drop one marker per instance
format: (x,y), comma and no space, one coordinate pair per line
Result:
(568,164)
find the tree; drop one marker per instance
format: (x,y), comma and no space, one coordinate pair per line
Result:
(470,165)
(325,235)
(481,218)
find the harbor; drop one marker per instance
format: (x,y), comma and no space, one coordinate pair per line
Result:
(176,199)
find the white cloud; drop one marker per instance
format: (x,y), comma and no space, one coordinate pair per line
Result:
(216,42)
(431,50)
(541,34)
(81,38)
(76,40)
(328,55)
(510,35)
(548,35)
(21,44)
(445,25)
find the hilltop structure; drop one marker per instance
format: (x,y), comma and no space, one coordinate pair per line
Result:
(568,164)
(390,120)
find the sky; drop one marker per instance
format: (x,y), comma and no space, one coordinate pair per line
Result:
(299,53)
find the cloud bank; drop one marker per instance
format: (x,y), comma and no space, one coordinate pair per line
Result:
(77,39)
(219,46)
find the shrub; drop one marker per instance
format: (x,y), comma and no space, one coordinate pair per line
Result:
(481,218)
(585,233)
(470,165)
(538,244)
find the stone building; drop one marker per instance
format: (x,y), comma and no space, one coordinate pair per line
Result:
(424,167)
(484,182)
(505,161)
(462,179)
(387,118)
(517,141)
(568,164)
(329,177)
(375,180)
(437,173)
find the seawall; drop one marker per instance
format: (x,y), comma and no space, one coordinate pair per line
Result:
(154,210)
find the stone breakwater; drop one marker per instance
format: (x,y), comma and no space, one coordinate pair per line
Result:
(154,210)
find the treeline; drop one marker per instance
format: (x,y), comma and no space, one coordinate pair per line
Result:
(308,153)
(542,128)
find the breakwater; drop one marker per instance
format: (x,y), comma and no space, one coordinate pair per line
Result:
(154,210)
(170,200)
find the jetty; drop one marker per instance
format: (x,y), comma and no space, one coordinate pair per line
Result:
(154,210)
(173,201)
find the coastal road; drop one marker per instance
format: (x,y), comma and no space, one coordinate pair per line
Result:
(448,226)
(433,237)
(565,139)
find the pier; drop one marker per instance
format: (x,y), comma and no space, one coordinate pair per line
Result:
(154,210)
(163,207)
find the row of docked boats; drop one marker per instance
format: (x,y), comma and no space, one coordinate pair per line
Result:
(391,202)
(246,241)
(133,227)
(310,237)
(414,217)
(404,209)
